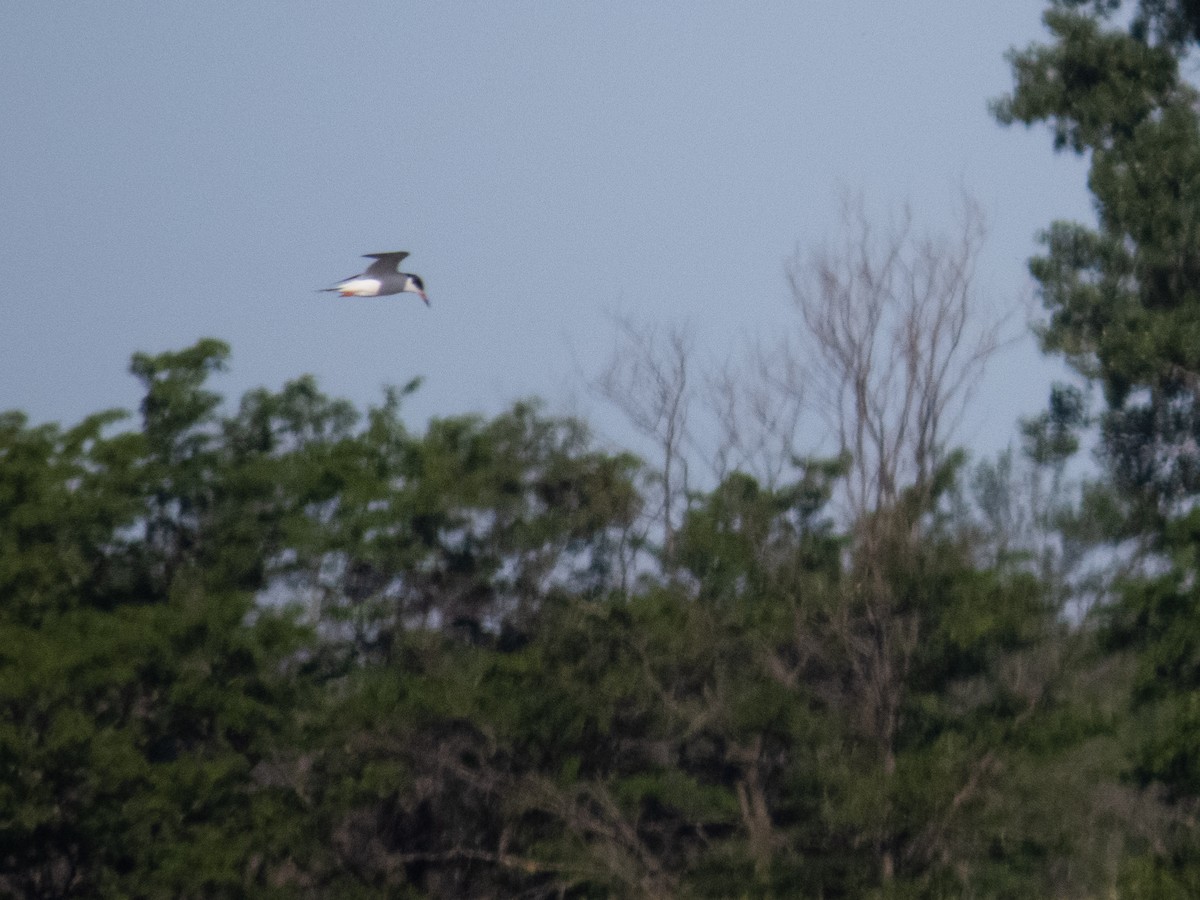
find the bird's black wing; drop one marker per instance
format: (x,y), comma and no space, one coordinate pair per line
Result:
(385,263)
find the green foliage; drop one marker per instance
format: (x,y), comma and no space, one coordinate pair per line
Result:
(297,650)
(1094,85)
(1124,307)
(1123,298)
(139,685)
(1051,438)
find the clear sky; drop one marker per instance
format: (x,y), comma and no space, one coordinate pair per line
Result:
(170,171)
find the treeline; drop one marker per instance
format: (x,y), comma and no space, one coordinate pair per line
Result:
(297,651)
(293,648)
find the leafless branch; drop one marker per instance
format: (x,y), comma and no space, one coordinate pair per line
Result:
(896,340)
(648,379)
(757,406)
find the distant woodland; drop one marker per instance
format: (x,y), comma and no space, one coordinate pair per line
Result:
(803,644)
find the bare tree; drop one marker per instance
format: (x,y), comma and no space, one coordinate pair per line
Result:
(648,378)
(896,340)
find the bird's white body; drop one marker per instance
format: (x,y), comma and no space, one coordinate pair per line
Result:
(359,287)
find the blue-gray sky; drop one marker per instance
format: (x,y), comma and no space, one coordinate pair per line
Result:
(171,171)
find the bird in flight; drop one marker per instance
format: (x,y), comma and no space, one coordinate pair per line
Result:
(381,278)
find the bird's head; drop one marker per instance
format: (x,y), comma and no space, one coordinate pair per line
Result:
(414,285)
